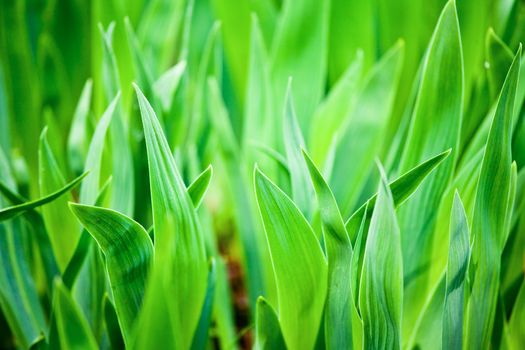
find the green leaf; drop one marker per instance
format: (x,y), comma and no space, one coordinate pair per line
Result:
(72,327)
(435,126)
(299,264)
(335,109)
(299,51)
(61,227)
(167,84)
(458,257)
(122,196)
(197,189)
(90,187)
(179,241)
(129,252)
(339,303)
(499,57)
(362,138)
(77,142)
(302,191)
(490,218)
(10,212)
(200,338)
(402,188)
(112,325)
(381,288)
(268,334)
(515,332)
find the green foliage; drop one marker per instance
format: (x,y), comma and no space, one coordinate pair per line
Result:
(136,220)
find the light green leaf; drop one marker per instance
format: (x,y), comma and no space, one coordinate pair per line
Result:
(458,257)
(435,126)
(499,57)
(90,187)
(128,250)
(339,303)
(200,338)
(334,110)
(197,189)
(167,84)
(299,51)
(77,142)
(299,264)
(268,334)
(178,238)
(72,327)
(302,191)
(490,219)
(402,188)
(381,287)
(122,195)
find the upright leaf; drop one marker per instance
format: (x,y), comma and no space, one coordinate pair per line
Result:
(381,288)
(178,238)
(339,303)
(78,143)
(299,264)
(489,219)
(435,126)
(72,327)
(458,256)
(268,334)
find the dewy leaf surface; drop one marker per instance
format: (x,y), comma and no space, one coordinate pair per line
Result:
(129,252)
(490,216)
(299,264)
(381,288)
(178,238)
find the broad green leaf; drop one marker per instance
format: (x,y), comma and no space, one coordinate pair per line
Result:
(10,212)
(362,139)
(334,110)
(299,51)
(489,219)
(73,328)
(458,257)
(178,238)
(402,188)
(268,334)
(339,302)
(77,142)
(90,187)
(435,126)
(61,227)
(128,251)
(299,264)
(302,191)
(381,287)
(197,189)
